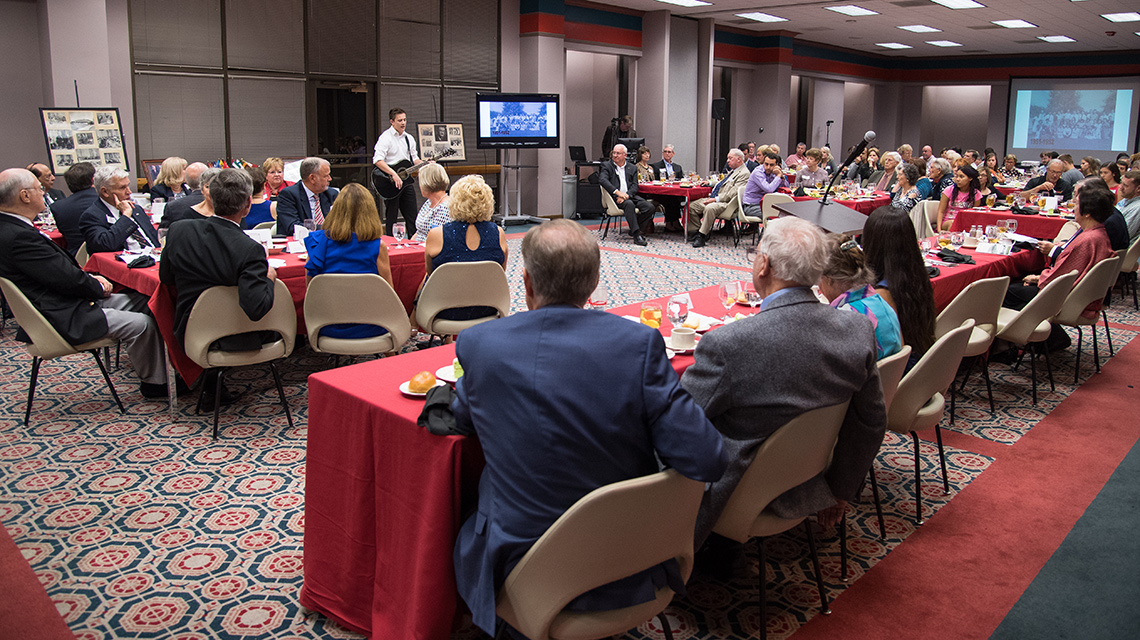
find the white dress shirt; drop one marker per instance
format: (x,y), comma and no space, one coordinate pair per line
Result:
(391,147)
(133,245)
(621,178)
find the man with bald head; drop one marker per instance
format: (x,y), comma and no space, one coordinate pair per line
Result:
(47,179)
(80,306)
(1049,184)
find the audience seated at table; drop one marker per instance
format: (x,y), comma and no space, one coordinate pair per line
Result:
(274,177)
(797,159)
(1051,183)
(214,251)
(868,163)
(645,171)
(668,170)
(906,193)
(618,177)
(309,199)
(764,179)
(963,194)
(1009,170)
(1128,202)
(923,184)
(1115,225)
(47,181)
(1071,174)
(984,186)
(349,242)
(262,210)
(1087,247)
(66,211)
(823,356)
(827,162)
(113,222)
(847,282)
(469,237)
(706,210)
(544,451)
(434,182)
(810,174)
(78,305)
(884,178)
(941,177)
(171,180)
(1090,167)
(892,253)
(196,204)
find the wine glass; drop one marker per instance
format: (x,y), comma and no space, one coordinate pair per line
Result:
(678,310)
(399,231)
(651,314)
(599,298)
(727,293)
(1012,225)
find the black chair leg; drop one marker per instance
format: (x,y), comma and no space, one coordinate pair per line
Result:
(878,505)
(761,585)
(118,352)
(217,398)
(824,601)
(843,546)
(32,388)
(1080,342)
(501,632)
(917,481)
(201,393)
(281,393)
(1107,333)
(110,385)
(665,628)
(1096,349)
(989,388)
(942,460)
(1033,372)
(1049,369)
(969,371)
(953,395)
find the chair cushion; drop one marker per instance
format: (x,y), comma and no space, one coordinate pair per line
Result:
(267,352)
(587,625)
(981,337)
(355,346)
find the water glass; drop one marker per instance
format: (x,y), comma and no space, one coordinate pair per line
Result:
(678,310)
(1012,225)
(727,293)
(600,297)
(956,240)
(399,231)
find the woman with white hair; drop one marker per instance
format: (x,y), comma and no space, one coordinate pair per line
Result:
(434,212)
(941,178)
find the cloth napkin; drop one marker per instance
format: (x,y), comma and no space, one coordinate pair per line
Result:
(953,257)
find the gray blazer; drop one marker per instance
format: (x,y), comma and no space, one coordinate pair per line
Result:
(755,375)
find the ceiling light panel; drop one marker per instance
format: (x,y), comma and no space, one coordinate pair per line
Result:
(920,28)
(1131,16)
(852,10)
(893,45)
(761,17)
(944,43)
(959,4)
(1014,24)
(686,3)
(1056,38)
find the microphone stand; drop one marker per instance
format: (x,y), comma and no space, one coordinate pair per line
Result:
(831,184)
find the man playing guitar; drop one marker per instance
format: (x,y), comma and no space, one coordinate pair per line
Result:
(395,150)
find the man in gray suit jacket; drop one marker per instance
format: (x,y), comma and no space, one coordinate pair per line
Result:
(707,209)
(754,375)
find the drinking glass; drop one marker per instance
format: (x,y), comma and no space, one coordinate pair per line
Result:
(651,314)
(925,245)
(727,293)
(956,240)
(678,310)
(162,237)
(991,200)
(944,240)
(1012,225)
(399,232)
(991,233)
(600,297)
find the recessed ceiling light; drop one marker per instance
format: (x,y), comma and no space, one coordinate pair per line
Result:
(852,10)
(761,17)
(1056,38)
(1014,24)
(893,45)
(1131,16)
(944,43)
(959,4)
(920,28)
(687,3)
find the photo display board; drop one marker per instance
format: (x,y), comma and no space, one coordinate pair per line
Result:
(436,139)
(83,135)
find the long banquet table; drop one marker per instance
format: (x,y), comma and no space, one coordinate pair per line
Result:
(384,499)
(1036,226)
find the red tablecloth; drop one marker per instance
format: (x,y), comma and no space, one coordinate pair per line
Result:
(862,205)
(952,279)
(1004,190)
(1037,226)
(407,272)
(673,189)
(57,238)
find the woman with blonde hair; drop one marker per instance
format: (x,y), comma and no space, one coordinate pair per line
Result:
(434,212)
(170,183)
(349,242)
(469,237)
(275,181)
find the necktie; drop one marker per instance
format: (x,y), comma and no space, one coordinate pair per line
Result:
(318,215)
(720,184)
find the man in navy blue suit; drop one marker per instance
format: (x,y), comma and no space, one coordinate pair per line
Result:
(66,211)
(309,199)
(113,222)
(550,434)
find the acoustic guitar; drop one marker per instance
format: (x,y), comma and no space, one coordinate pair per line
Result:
(386,187)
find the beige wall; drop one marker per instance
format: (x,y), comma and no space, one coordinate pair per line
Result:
(24,90)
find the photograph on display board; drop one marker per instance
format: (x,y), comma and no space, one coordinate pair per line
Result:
(441,140)
(83,135)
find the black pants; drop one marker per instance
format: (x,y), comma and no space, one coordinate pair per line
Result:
(673,205)
(404,203)
(638,213)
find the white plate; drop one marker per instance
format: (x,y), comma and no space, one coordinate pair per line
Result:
(447,373)
(669,346)
(408,392)
(669,353)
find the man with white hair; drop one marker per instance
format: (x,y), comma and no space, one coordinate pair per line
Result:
(884,179)
(114,222)
(309,199)
(801,355)
(80,306)
(1051,183)
(619,178)
(706,210)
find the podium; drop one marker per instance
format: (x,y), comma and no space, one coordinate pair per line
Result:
(831,216)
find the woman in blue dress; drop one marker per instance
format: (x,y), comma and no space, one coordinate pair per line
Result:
(349,242)
(469,237)
(262,210)
(848,282)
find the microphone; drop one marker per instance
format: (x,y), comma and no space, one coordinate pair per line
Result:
(868,138)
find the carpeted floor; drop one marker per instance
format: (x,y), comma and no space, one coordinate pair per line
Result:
(140,528)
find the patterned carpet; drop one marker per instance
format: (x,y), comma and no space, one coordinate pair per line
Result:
(139,528)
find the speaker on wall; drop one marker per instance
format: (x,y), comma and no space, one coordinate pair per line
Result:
(719,108)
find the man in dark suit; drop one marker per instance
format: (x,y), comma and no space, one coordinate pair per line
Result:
(545,451)
(669,170)
(47,179)
(794,356)
(198,176)
(113,222)
(214,251)
(80,306)
(619,179)
(67,211)
(309,199)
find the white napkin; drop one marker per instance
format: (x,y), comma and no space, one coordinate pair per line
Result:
(276,263)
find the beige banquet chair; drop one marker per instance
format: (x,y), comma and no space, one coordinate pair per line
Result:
(769,202)
(1031,324)
(919,404)
(612,532)
(1128,267)
(980,301)
(81,255)
(216,314)
(1068,230)
(792,455)
(1091,288)
(891,370)
(355,298)
(930,208)
(743,219)
(922,226)
(611,212)
(268,224)
(732,211)
(462,284)
(47,344)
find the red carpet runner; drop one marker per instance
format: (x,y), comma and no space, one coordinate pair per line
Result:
(26,612)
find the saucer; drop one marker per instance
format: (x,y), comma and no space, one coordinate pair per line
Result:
(669,346)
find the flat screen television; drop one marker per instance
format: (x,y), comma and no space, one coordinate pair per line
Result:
(517,121)
(632,145)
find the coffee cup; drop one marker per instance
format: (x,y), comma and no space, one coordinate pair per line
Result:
(683,338)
